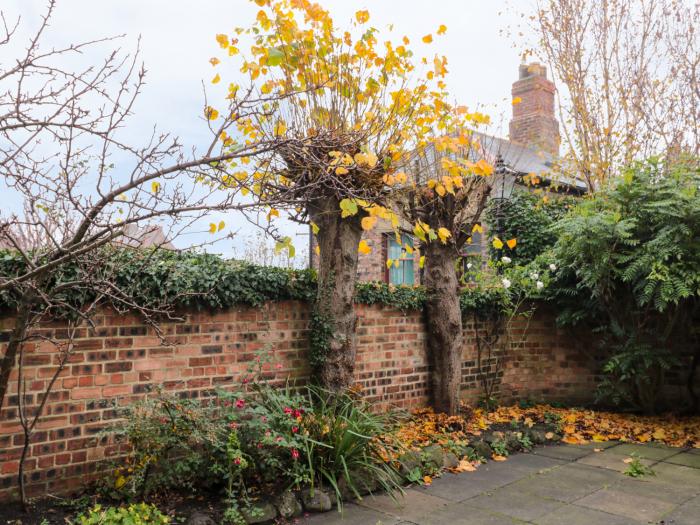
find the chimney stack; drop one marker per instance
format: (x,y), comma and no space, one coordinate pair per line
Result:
(533,123)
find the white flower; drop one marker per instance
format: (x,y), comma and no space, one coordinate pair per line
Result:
(506,260)
(506,283)
(553,267)
(534,276)
(540,285)
(469,266)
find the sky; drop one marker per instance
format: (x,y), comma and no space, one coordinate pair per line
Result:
(178,38)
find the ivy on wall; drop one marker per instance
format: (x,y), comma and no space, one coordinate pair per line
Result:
(205,281)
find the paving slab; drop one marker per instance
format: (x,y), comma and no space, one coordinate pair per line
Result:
(649,486)
(564,452)
(574,515)
(633,506)
(352,515)
(611,460)
(459,487)
(647,451)
(687,459)
(464,514)
(532,463)
(677,475)
(567,483)
(515,503)
(686,514)
(411,507)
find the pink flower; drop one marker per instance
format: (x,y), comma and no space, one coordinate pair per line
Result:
(295,454)
(237,461)
(287,410)
(267,434)
(233,425)
(259,445)
(295,430)
(263,419)
(278,439)
(278,366)
(240,403)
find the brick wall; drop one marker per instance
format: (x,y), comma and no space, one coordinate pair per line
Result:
(120,360)
(534,123)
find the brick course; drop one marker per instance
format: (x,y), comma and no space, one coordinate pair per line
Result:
(121,361)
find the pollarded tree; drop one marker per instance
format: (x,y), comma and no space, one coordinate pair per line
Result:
(450,184)
(350,109)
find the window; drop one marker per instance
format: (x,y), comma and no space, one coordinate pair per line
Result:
(473,245)
(401,269)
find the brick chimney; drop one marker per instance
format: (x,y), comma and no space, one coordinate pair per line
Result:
(533,123)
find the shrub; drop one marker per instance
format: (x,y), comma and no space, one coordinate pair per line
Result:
(529,218)
(630,270)
(136,514)
(271,436)
(173,443)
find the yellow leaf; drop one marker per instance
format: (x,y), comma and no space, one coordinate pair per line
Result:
(549,435)
(317,250)
(421,261)
(512,243)
(628,460)
(440,189)
(216,79)
(280,128)
(362,16)
(441,30)
(496,457)
(516,101)
(477,228)
(272,213)
(363,247)
(389,262)
(444,234)
(212,227)
(214,61)
(222,225)
(155,186)
(497,243)
(222,40)
(314,228)
(427,480)
(211,113)
(368,223)
(341,171)
(659,434)
(119,482)
(428,39)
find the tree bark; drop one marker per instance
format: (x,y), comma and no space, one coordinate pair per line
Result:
(333,323)
(22,320)
(444,326)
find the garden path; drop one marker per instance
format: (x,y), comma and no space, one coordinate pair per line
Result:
(565,484)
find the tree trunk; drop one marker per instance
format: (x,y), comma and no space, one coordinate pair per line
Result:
(333,322)
(444,325)
(18,334)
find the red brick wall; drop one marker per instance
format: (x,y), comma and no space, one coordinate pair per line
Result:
(121,360)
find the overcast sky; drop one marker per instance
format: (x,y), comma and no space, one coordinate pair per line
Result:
(177,40)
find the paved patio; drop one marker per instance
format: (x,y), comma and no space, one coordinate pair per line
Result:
(568,485)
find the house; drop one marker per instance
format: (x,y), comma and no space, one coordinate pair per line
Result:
(529,157)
